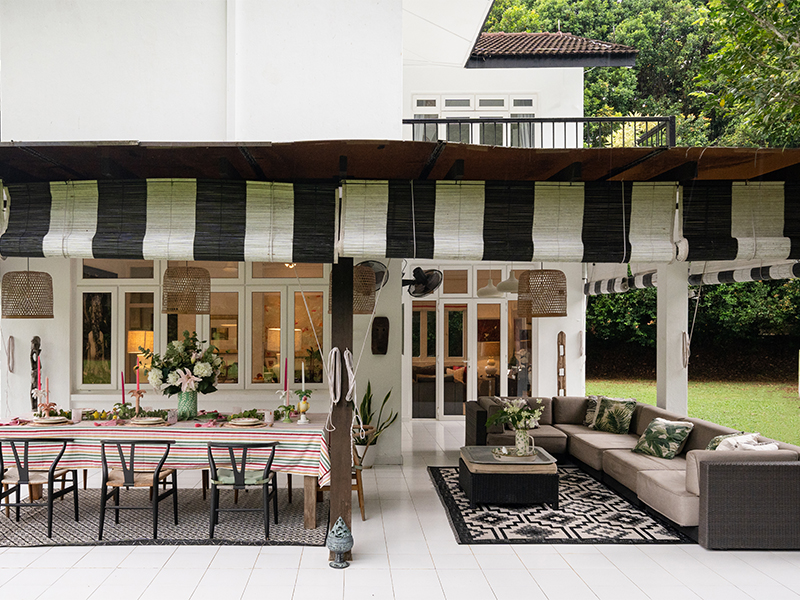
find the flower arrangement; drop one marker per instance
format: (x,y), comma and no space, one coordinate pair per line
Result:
(517,413)
(185,367)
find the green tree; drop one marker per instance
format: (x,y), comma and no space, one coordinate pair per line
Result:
(752,79)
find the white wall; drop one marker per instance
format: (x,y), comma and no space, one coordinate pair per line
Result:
(383,371)
(55,344)
(200,70)
(545,332)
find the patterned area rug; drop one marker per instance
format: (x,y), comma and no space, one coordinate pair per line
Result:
(136,526)
(589,513)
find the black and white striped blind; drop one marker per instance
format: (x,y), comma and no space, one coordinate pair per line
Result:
(174,219)
(509,221)
(618,285)
(741,221)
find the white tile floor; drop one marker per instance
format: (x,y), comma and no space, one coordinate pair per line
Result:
(405,549)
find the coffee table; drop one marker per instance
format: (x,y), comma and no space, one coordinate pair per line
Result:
(486,479)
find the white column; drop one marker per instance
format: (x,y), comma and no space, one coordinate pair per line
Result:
(673,325)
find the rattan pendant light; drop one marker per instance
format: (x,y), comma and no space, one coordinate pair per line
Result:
(27,295)
(542,293)
(363,290)
(186,291)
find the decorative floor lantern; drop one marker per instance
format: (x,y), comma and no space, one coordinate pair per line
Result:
(186,291)
(542,293)
(27,295)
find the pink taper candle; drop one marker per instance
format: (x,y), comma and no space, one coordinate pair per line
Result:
(38,372)
(122,376)
(137,377)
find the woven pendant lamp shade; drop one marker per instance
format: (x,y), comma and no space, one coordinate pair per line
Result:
(186,291)
(363,291)
(542,293)
(27,295)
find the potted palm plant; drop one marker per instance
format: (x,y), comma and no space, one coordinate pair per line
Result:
(371,432)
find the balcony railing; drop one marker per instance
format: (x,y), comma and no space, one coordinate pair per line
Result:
(550,133)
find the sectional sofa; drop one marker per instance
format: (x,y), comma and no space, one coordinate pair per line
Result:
(724,499)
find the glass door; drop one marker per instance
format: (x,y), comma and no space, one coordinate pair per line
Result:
(455,323)
(423,360)
(519,352)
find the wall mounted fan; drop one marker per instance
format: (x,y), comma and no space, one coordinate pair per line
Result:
(424,282)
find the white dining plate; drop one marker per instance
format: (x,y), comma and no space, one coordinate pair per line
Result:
(147,420)
(50,420)
(244,422)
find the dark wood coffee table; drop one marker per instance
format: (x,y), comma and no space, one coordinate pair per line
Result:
(512,480)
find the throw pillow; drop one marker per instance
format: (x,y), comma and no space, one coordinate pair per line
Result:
(714,442)
(591,411)
(663,439)
(762,446)
(614,414)
(733,443)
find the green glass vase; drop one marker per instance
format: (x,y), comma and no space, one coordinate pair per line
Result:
(187,405)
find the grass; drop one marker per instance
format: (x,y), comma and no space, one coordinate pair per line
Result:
(770,409)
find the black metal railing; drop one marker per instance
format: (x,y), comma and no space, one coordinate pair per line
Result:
(551,133)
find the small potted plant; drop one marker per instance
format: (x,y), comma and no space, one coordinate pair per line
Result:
(371,432)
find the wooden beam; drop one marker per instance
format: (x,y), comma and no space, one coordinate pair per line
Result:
(340,444)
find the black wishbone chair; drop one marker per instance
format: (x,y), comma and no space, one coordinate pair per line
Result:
(127,476)
(235,475)
(20,474)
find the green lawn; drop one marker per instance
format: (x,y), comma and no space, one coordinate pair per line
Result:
(770,409)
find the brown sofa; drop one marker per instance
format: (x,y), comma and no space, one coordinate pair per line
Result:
(724,499)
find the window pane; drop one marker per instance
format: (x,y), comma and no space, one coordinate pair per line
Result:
(492,134)
(492,102)
(458,132)
(488,349)
(426,132)
(266,337)
(177,324)
(455,333)
(415,333)
(96,337)
(225,333)
(431,332)
(306,349)
(426,102)
(108,268)
(523,101)
(455,281)
(267,270)
(457,102)
(218,269)
(522,133)
(138,332)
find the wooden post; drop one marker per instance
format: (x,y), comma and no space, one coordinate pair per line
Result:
(340,445)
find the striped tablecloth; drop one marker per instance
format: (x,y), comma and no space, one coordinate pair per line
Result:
(302,449)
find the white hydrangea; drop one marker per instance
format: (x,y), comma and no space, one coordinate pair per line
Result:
(173,377)
(155,377)
(217,361)
(177,344)
(203,369)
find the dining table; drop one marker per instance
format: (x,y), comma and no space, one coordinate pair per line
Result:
(302,448)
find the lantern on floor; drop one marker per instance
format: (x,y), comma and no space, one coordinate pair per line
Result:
(542,293)
(186,291)
(27,295)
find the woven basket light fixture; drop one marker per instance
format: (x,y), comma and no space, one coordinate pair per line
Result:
(186,291)
(542,293)
(363,291)
(27,295)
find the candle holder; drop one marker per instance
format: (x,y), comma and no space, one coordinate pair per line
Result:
(302,405)
(137,395)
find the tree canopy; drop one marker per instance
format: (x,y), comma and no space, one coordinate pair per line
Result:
(729,70)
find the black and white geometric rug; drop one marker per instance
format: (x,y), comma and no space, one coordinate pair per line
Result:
(589,513)
(136,526)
